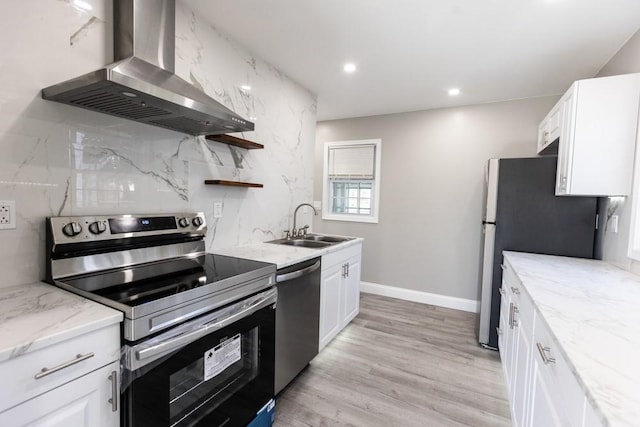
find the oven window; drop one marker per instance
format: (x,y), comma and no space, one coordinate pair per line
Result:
(218,374)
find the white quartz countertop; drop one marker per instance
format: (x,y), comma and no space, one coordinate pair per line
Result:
(593,310)
(37,315)
(283,255)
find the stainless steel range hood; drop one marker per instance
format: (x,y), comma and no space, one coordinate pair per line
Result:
(141,84)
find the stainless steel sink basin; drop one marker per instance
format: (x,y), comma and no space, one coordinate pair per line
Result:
(328,239)
(301,242)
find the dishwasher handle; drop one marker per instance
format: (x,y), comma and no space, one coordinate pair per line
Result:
(298,273)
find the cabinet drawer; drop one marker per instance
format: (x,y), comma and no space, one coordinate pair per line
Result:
(568,396)
(518,295)
(341,256)
(526,313)
(20,372)
(509,279)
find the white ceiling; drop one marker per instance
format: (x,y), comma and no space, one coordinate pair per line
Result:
(410,52)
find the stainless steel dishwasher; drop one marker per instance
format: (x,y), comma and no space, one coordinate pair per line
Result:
(297,319)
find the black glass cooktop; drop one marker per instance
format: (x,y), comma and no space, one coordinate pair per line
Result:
(141,284)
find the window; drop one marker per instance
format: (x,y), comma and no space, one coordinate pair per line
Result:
(351,180)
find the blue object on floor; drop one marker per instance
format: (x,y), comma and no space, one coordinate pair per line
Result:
(265,416)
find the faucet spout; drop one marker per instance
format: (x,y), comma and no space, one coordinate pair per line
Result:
(294,231)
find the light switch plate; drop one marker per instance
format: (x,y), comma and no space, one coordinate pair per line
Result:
(317,204)
(217,209)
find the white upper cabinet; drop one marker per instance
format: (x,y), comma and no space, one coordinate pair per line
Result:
(595,137)
(549,129)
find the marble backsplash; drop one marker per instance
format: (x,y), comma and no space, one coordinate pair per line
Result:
(60,160)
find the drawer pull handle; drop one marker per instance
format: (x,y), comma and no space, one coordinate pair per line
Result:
(514,321)
(114,391)
(515,290)
(543,353)
(48,371)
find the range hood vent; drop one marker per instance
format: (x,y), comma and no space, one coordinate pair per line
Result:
(142,85)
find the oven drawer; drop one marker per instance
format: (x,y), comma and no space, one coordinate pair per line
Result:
(97,349)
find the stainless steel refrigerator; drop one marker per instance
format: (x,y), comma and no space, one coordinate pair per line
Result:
(522,213)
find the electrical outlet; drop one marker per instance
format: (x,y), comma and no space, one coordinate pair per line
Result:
(7,214)
(217,209)
(613,224)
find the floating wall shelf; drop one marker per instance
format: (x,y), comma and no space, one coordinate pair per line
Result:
(232,183)
(235,141)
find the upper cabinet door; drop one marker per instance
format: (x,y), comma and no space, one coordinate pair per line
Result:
(549,129)
(598,123)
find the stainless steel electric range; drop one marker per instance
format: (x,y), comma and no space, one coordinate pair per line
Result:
(198,334)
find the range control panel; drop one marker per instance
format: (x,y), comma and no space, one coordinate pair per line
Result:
(94,228)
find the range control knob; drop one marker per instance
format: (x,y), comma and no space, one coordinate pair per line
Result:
(72,229)
(97,227)
(183,222)
(197,221)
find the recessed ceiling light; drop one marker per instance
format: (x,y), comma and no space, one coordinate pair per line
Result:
(454,91)
(349,67)
(129,94)
(82,4)
(245,87)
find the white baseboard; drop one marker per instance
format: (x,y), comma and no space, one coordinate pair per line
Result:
(469,305)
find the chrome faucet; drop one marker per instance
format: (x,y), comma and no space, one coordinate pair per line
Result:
(303,231)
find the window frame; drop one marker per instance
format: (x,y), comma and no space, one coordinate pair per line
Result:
(327,201)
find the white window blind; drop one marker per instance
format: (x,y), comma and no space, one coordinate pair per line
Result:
(352,162)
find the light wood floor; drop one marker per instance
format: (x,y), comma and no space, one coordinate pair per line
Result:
(399,364)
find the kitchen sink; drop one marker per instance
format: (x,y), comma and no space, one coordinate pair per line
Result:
(328,239)
(301,242)
(311,241)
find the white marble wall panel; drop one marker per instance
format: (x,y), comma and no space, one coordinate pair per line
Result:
(60,160)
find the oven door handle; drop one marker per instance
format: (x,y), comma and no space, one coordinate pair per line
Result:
(235,312)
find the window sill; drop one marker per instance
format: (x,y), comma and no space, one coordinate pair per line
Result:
(350,218)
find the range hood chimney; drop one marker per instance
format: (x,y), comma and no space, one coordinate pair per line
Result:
(141,84)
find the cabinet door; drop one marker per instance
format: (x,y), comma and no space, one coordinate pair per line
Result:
(83,402)
(502,326)
(565,148)
(543,135)
(542,405)
(598,133)
(591,419)
(519,397)
(330,301)
(351,290)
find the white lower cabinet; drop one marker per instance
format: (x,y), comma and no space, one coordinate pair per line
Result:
(339,291)
(71,383)
(83,402)
(542,388)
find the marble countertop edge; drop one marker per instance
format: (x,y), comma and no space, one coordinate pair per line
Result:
(591,387)
(37,315)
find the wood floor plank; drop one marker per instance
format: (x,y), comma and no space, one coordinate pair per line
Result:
(399,364)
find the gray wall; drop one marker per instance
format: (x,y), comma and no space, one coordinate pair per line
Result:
(428,236)
(614,245)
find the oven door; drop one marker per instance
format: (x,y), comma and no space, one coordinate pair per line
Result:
(217,370)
